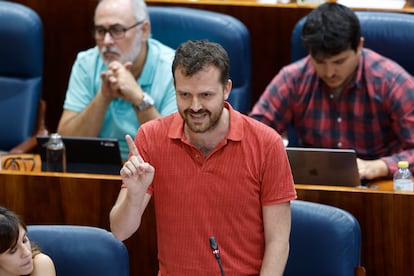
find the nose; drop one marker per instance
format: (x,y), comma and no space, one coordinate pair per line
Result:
(108,40)
(195,104)
(26,250)
(329,70)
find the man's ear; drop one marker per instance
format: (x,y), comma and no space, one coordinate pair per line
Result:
(227,89)
(360,45)
(146,30)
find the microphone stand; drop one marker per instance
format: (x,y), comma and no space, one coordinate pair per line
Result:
(216,253)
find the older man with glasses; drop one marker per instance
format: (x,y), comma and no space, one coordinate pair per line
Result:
(121,83)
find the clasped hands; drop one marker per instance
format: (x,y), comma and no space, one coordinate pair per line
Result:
(119,82)
(136,173)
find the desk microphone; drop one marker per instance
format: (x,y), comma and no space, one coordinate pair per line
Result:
(216,253)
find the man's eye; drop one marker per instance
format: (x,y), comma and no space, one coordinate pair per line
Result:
(117,30)
(100,30)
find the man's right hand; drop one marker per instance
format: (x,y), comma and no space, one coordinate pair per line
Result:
(136,173)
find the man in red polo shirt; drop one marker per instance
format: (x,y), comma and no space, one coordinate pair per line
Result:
(212,172)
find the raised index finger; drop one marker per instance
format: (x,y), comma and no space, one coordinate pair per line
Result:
(131,145)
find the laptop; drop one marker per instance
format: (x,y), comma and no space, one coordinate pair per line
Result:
(321,166)
(87,154)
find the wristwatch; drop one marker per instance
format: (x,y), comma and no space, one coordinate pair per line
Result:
(147,101)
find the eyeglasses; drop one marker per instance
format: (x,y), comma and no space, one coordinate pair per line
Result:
(116,31)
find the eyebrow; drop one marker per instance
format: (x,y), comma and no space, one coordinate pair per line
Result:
(333,60)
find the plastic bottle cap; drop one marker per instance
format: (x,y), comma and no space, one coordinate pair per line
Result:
(402,164)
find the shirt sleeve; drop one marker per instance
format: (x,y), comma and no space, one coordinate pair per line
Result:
(277,181)
(273,108)
(402,116)
(81,89)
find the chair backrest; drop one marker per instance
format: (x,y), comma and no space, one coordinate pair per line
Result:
(324,241)
(388,33)
(174,25)
(81,250)
(21,69)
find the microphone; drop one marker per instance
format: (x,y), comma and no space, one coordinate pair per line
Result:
(216,253)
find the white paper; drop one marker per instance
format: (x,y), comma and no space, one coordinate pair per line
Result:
(379,4)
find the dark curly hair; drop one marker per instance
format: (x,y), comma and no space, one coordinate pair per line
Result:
(193,56)
(330,29)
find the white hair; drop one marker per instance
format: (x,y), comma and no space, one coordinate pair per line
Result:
(139,9)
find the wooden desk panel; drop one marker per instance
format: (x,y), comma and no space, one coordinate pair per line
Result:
(386,219)
(403,236)
(80,199)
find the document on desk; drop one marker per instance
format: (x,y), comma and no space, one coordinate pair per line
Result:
(374,4)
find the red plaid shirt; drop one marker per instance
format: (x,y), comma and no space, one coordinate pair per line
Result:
(374,114)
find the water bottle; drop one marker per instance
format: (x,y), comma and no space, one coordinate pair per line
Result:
(403,179)
(55,154)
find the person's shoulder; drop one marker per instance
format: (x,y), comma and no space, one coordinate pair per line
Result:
(371,56)
(298,68)
(255,127)
(88,61)
(161,48)
(375,62)
(160,123)
(304,62)
(160,58)
(255,124)
(91,53)
(260,136)
(43,265)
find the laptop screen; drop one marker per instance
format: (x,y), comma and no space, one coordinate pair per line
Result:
(87,154)
(321,166)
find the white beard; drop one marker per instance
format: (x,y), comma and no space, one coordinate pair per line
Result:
(130,55)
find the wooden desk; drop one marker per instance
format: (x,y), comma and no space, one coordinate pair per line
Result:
(80,199)
(386,219)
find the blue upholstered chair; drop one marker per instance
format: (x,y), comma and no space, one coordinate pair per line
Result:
(388,33)
(81,250)
(21,69)
(174,25)
(324,241)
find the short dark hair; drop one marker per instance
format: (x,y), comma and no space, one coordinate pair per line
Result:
(330,29)
(193,56)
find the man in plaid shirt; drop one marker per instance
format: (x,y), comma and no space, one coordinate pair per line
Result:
(343,95)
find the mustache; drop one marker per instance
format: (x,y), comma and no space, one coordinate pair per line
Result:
(201,111)
(110,49)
